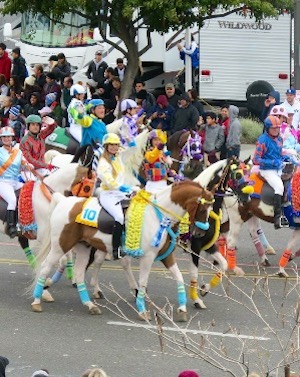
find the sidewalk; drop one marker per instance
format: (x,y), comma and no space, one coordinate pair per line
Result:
(246,151)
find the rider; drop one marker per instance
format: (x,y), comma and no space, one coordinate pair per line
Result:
(268,155)
(93,127)
(132,118)
(77,91)
(111,171)
(33,143)
(157,162)
(11,160)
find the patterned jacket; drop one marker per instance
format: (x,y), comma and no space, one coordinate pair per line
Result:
(33,146)
(268,152)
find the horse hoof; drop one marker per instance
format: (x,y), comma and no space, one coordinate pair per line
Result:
(270,251)
(94,310)
(108,256)
(282,274)
(200,305)
(266,263)
(48,283)
(37,308)
(74,285)
(145,316)
(238,271)
(182,316)
(203,291)
(99,295)
(47,297)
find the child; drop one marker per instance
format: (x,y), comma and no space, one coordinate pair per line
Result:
(268,155)
(157,162)
(78,93)
(213,139)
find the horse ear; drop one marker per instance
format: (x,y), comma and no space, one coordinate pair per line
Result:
(247,160)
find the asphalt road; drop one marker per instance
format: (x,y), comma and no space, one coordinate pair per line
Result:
(66,340)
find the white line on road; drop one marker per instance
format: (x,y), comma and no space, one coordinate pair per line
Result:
(185,331)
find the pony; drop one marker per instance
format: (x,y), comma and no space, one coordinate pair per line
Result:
(157,240)
(185,148)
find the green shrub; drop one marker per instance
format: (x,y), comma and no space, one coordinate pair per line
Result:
(251,130)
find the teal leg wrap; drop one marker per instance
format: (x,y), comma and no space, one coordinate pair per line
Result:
(83,293)
(69,269)
(57,275)
(181,293)
(263,239)
(39,287)
(140,300)
(30,256)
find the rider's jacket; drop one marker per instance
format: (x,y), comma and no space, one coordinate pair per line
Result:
(268,152)
(111,174)
(155,165)
(93,129)
(13,171)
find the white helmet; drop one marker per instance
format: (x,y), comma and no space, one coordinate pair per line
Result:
(128,104)
(77,89)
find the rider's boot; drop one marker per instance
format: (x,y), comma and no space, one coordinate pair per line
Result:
(11,229)
(280,221)
(116,240)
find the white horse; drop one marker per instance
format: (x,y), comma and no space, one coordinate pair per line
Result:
(65,234)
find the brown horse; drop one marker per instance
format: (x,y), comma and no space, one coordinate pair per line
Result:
(185,148)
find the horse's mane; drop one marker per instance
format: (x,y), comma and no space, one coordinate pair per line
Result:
(209,173)
(174,139)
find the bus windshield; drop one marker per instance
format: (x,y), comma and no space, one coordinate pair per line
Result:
(72,31)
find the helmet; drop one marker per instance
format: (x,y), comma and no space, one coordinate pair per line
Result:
(160,134)
(7,131)
(32,118)
(272,122)
(111,138)
(279,110)
(94,103)
(128,104)
(77,89)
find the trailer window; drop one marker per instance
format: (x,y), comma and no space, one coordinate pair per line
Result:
(72,31)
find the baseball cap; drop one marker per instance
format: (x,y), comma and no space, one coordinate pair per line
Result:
(53,58)
(99,52)
(170,85)
(291,91)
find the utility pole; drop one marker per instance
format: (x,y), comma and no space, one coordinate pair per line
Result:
(188,61)
(297,45)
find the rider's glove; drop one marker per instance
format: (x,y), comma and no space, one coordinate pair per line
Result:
(125,188)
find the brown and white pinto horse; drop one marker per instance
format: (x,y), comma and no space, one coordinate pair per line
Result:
(65,234)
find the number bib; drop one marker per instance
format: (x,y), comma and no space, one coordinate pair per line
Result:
(90,213)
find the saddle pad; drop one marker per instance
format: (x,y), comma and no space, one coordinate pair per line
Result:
(90,212)
(58,138)
(257,183)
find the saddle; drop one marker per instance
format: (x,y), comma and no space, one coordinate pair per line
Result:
(61,138)
(265,192)
(96,216)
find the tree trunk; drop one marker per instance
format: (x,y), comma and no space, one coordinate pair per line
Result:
(131,70)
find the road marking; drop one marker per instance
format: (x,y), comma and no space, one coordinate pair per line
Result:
(187,331)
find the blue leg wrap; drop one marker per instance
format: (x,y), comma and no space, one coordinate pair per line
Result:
(263,239)
(39,287)
(83,293)
(57,275)
(140,300)
(181,294)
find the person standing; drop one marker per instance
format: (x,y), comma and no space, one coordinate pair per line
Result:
(233,141)
(224,122)
(292,106)
(186,116)
(40,77)
(5,62)
(53,61)
(193,52)
(120,69)
(78,93)
(19,65)
(63,66)
(173,98)
(272,100)
(97,68)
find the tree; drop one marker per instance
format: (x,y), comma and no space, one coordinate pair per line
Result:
(125,17)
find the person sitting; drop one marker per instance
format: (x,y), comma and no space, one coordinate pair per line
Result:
(16,122)
(213,139)
(111,172)
(4,111)
(161,114)
(78,93)
(50,101)
(157,162)
(268,155)
(11,161)
(132,118)
(34,104)
(33,143)
(93,127)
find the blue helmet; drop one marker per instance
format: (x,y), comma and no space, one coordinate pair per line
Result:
(95,102)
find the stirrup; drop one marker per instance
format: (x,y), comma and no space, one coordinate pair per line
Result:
(282,223)
(118,254)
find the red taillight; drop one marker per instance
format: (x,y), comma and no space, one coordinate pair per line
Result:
(283,76)
(205,72)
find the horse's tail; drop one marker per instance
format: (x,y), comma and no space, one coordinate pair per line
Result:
(46,243)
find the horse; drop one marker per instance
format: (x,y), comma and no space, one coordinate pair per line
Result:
(157,241)
(63,142)
(185,148)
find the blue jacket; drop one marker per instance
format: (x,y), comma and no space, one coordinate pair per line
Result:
(93,129)
(268,152)
(194,56)
(165,122)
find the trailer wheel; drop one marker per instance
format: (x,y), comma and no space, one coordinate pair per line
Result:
(256,94)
